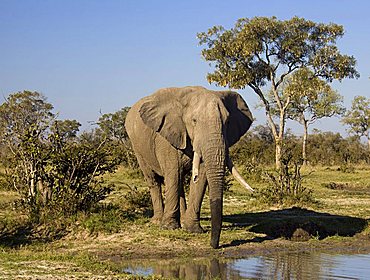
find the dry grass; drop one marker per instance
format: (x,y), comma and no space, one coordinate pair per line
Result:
(340,216)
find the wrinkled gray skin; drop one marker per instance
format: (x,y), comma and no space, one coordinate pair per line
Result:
(165,129)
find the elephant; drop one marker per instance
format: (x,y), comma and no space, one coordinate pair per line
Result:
(176,131)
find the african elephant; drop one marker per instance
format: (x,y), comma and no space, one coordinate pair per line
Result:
(178,130)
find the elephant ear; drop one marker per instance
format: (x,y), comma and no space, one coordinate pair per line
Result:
(240,117)
(164,115)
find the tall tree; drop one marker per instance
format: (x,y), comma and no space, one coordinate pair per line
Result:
(24,119)
(358,117)
(263,51)
(311,99)
(112,127)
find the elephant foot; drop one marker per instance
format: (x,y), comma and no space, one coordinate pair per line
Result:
(172,224)
(193,227)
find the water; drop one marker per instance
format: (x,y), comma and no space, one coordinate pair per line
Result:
(285,265)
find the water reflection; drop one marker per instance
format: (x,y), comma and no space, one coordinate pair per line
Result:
(286,265)
(186,269)
(281,266)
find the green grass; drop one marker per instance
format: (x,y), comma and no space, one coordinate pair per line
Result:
(31,261)
(97,243)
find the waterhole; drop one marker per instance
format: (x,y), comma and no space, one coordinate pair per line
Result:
(283,265)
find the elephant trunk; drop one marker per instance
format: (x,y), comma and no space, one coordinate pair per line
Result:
(214,160)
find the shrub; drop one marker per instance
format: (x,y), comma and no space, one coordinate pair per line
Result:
(55,171)
(346,168)
(70,180)
(285,185)
(106,218)
(138,200)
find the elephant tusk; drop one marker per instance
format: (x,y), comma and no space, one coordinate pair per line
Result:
(237,175)
(195,170)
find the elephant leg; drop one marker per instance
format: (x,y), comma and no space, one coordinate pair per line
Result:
(155,191)
(171,215)
(196,194)
(173,184)
(182,202)
(157,201)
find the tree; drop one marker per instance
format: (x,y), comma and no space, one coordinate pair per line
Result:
(24,120)
(358,117)
(265,51)
(329,148)
(54,169)
(255,148)
(311,99)
(112,126)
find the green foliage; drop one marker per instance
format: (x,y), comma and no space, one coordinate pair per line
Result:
(358,117)
(255,148)
(72,177)
(285,185)
(328,148)
(347,168)
(106,218)
(311,97)
(5,182)
(24,121)
(112,127)
(56,172)
(261,52)
(228,182)
(74,171)
(138,200)
(252,52)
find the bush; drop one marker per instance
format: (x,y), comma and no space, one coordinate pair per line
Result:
(112,127)
(256,147)
(106,218)
(253,172)
(72,177)
(286,185)
(347,168)
(138,201)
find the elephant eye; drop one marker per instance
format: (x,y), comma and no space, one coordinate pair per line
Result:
(194,121)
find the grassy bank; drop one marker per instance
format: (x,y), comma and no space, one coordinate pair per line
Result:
(95,245)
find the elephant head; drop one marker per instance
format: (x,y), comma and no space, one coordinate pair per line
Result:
(206,123)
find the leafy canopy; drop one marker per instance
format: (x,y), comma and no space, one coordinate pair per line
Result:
(265,51)
(311,97)
(112,125)
(257,49)
(358,117)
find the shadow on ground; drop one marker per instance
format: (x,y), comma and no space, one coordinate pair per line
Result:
(25,235)
(296,224)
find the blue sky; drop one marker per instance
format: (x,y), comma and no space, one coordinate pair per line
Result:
(92,57)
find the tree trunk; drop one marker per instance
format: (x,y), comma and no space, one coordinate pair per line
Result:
(278,150)
(32,182)
(304,142)
(279,140)
(278,134)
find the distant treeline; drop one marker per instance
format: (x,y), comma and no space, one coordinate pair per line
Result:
(323,148)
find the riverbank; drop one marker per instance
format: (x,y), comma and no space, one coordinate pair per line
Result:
(95,247)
